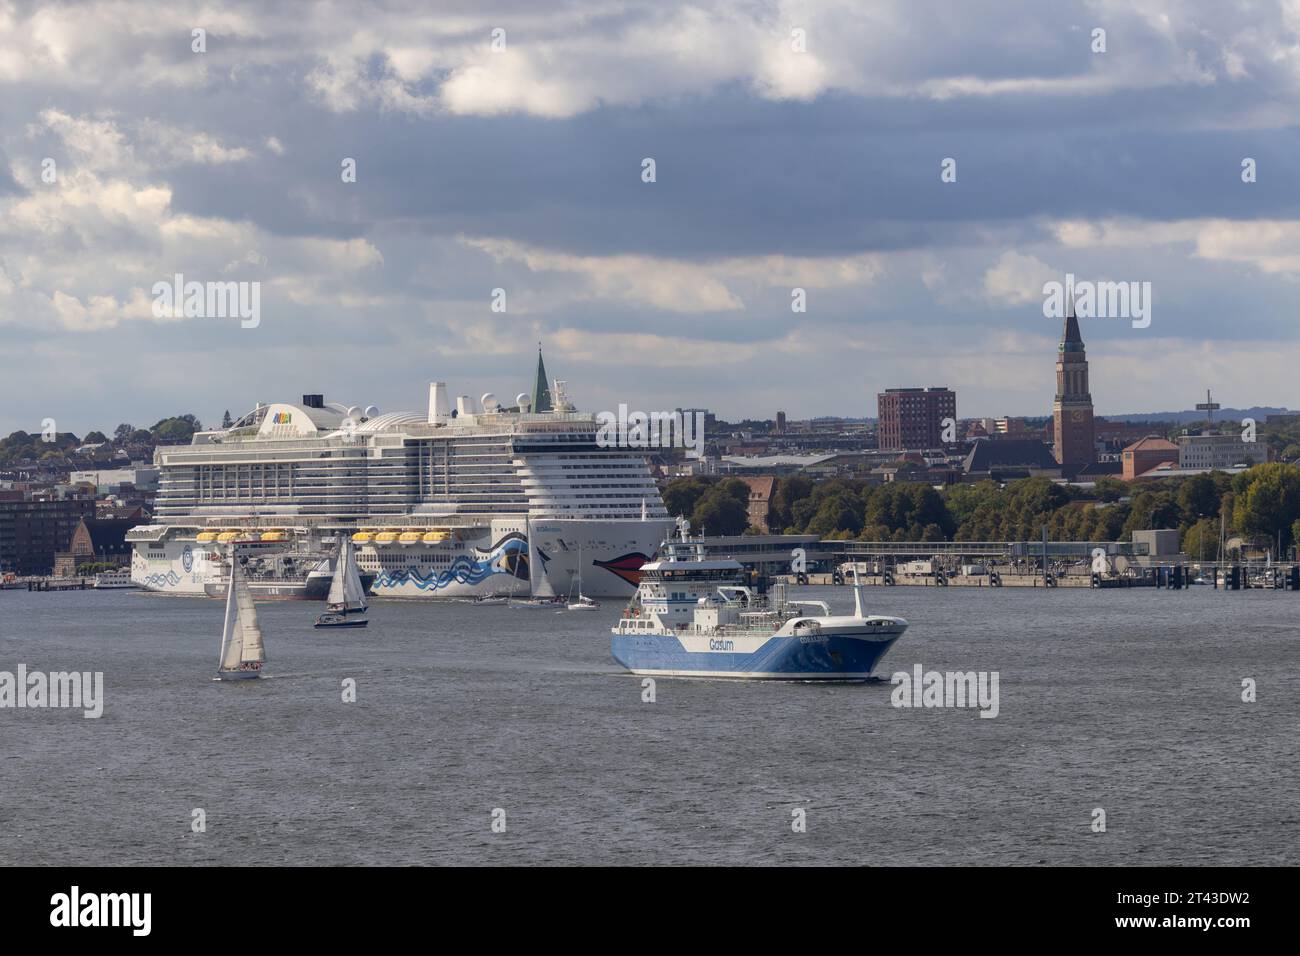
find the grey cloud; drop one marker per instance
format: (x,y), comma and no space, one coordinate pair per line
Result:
(1157,136)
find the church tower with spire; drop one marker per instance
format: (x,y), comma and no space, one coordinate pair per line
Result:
(1072,425)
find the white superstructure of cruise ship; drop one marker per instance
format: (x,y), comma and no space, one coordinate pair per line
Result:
(466,499)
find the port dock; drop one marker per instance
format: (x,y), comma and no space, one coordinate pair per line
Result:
(1097,565)
(46,584)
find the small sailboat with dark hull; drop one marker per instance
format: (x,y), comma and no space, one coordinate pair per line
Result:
(242,653)
(347,595)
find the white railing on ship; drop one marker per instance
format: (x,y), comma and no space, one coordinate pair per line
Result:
(301,524)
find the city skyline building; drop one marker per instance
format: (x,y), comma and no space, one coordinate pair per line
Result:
(1073,443)
(912,419)
(1215,450)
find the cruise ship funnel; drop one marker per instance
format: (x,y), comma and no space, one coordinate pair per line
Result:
(439,405)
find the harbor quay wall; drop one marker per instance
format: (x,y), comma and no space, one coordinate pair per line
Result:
(46,583)
(1278,577)
(807,559)
(957,581)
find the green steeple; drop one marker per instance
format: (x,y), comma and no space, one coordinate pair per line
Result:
(541,388)
(1071,340)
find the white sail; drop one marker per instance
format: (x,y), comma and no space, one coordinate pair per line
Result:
(543,587)
(335,597)
(232,636)
(347,594)
(251,634)
(354,594)
(581,596)
(538,583)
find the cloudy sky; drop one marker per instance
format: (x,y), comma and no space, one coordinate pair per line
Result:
(517,165)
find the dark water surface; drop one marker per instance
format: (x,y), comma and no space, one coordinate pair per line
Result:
(1125,700)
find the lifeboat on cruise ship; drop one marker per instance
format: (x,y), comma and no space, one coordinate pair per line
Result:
(362,537)
(434,537)
(408,537)
(274,535)
(206,536)
(386,537)
(228,536)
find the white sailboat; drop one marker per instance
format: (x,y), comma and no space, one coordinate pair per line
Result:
(347,595)
(242,654)
(542,592)
(510,564)
(494,599)
(582,603)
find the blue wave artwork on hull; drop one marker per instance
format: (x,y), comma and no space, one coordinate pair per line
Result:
(507,556)
(170,579)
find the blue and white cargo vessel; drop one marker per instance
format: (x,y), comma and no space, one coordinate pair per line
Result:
(692,616)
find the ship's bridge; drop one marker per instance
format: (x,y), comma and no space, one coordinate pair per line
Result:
(670,570)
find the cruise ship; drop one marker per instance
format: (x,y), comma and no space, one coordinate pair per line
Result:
(464,500)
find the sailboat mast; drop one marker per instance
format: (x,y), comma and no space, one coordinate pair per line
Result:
(241,640)
(229,629)
(336,595)
(532,564)
(354,594)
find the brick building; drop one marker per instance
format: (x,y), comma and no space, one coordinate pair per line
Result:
(1116,436)
(34,529)
(98,541)
(1147,453)
(761,489)
(1073,438)
(912,419)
